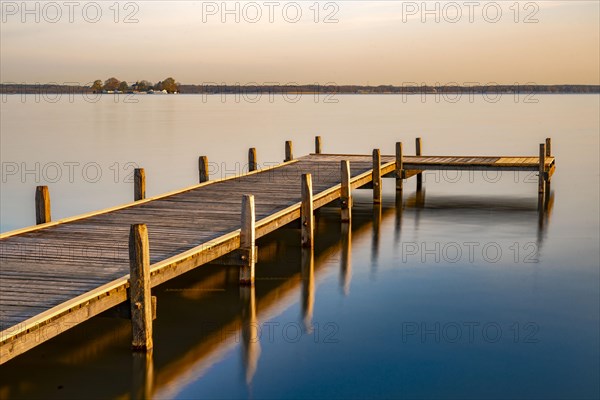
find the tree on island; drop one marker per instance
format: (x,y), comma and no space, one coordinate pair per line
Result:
(123,86)
(170,85)
(143,85)
(97,86)
(111,84)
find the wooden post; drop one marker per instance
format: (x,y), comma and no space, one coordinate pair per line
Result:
(42,205)
(248,240)
(346,192)
(252,161)
(542,168)
(139,184)
(139,288)
(318,144)
(419,152)
(306,211)
(399,167)
(546,176)
(376,176)
(289,153)
(203,168)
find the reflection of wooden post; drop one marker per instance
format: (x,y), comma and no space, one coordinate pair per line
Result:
(247,241)
(250,331)
(346,258)
(377,214)
(143,375)
(308,287)
(318,144)
(376,176)
(542,168)
(419,152)
(306,212)
(42,205)
(289,151)
(203,169)
(398,224)
(252,162)
(399,166)
(139,184)
(139,288)
(346,192)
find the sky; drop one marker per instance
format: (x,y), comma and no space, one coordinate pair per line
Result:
(303,42)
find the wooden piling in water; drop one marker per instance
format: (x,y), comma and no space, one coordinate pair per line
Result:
(376,176)
(346,192)
(419,152)
(306,212)
(139,288)
(247,241)
(42,205)
(203,169)
(399,180)
(548,147)
(289,151)
(542,169)
(139,184)
(318,148)
(252,160)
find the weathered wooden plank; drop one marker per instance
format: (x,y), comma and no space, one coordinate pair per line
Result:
(81,217)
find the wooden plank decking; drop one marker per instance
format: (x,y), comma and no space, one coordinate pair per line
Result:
(56,275)
(513,163)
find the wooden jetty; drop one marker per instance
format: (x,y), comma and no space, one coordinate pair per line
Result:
(58,274)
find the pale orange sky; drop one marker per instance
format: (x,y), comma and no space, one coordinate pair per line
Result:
(371,43)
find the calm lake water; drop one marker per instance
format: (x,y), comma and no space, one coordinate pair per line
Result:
(464,290)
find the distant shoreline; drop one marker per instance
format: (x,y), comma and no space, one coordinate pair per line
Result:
(6,89)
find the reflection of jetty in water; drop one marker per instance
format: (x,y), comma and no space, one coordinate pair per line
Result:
(499,210)
(205,314)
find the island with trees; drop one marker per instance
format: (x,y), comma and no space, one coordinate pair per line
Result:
(113,85)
